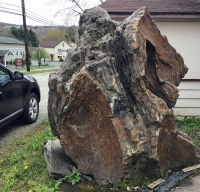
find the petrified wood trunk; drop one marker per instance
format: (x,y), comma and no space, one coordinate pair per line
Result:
(110,103)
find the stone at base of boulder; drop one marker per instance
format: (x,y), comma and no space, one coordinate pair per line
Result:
(58,163)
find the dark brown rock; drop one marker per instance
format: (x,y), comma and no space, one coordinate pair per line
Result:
(110,103)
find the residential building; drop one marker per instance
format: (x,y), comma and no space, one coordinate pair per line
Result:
(56,49)
(11,49)
(179,21)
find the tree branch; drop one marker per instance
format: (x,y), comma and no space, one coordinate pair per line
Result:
(77,12)
(77,4)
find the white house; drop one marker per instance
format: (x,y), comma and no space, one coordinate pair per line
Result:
(11,49)
(179,21)
(56,49)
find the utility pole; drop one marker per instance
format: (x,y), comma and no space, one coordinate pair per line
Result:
(25,36)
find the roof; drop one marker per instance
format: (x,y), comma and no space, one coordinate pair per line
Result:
(8,40)
(51,44)
(157,8)
(4,52)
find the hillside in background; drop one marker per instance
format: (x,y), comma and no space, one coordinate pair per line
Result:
(40,31)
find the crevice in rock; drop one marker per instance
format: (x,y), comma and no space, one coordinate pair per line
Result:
(151,78)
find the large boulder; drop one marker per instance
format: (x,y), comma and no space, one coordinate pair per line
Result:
(110,103)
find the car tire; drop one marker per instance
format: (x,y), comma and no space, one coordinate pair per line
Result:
(31,110)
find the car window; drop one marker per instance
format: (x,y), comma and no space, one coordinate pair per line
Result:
(4,75)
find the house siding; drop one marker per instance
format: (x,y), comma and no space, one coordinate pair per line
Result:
(50,51)
(54,50)
(188,103)
(185,38)
(63,50)
(13,46)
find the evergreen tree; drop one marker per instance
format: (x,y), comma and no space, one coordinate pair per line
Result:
(33,40)
(18,33)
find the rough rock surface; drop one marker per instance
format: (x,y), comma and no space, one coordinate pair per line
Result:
(58,163)
(110,103)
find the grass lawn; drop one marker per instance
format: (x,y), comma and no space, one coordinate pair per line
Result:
(23,168)
(34,67)
(190,126)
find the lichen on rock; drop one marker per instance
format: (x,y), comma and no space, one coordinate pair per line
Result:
(110,103)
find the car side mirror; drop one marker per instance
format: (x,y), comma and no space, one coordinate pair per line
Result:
(18,75)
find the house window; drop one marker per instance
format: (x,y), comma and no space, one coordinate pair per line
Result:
(59,50)
(20,51)
(16,51)
(12,50)
(63,44)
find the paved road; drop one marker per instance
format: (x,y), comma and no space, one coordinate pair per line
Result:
(17,129)
(51,63)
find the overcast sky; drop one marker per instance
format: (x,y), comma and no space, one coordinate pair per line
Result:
(38,7)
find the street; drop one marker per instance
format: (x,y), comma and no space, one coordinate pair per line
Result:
(17,129)
(51,63)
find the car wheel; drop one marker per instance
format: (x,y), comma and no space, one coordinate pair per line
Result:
(31,109)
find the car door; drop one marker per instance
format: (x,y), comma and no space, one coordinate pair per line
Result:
(11,95)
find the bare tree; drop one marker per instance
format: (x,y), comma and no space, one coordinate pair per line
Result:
(71,9)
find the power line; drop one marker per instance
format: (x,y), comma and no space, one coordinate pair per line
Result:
(10,4)
(38,17)
(45,23)
(11,9)
(4,11)
(32,15)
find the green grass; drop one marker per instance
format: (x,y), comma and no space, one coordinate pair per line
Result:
(23,167)
(35,67)
(133,183)
(190,126)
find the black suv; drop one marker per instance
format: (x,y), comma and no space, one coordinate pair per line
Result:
(19,97)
